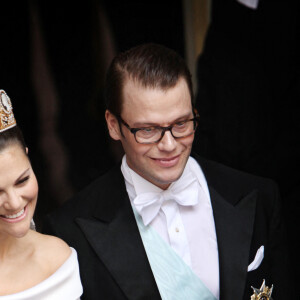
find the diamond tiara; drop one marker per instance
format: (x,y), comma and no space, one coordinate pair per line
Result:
(7,119)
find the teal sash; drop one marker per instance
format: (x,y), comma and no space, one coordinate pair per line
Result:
(174,278)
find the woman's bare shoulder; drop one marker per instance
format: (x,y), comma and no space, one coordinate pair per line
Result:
(51,250)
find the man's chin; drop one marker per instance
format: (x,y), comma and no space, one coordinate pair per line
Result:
(165,181)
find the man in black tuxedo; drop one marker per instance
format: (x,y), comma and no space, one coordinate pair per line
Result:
(223,226)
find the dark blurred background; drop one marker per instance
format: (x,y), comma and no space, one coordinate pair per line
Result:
(53,60)
(245,62)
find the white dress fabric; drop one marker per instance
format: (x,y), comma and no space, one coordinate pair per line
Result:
(64,284)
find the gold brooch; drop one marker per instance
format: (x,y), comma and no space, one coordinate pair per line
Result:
(264,293)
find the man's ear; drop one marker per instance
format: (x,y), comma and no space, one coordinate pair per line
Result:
(112,125)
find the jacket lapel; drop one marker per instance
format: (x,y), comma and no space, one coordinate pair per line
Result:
(234,227)
(114,236)
(234,215)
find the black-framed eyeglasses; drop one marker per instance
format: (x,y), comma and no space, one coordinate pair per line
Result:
(153,134)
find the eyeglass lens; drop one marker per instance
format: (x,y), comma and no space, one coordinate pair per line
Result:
(153,134)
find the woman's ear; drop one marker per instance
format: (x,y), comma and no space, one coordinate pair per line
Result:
(26,149)
(112,125)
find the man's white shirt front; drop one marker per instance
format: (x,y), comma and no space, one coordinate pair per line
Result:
(188,229)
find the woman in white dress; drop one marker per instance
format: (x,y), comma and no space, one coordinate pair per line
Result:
(32,265)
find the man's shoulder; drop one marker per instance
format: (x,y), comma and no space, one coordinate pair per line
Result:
(103,188)
(223,177)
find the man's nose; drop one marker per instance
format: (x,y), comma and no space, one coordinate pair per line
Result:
(167,143)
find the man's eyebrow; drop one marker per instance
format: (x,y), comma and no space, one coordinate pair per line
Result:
(144,124)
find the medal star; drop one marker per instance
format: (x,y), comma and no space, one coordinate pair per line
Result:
(264,293)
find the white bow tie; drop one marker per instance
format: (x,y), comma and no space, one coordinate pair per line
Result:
(185,192)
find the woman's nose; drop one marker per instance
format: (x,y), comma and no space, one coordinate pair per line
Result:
(13,201)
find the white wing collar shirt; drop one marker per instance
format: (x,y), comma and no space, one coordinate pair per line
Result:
(182,215)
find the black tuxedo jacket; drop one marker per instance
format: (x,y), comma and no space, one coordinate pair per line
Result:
(99,223)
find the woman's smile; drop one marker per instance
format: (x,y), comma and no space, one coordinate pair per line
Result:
(17,217)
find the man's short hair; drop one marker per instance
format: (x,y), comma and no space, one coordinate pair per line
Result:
(151,65)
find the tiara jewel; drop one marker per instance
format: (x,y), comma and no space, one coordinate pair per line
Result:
(7,119)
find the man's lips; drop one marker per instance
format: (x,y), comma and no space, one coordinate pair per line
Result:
(167,161)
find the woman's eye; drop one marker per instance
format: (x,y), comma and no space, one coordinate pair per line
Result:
(23,180)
